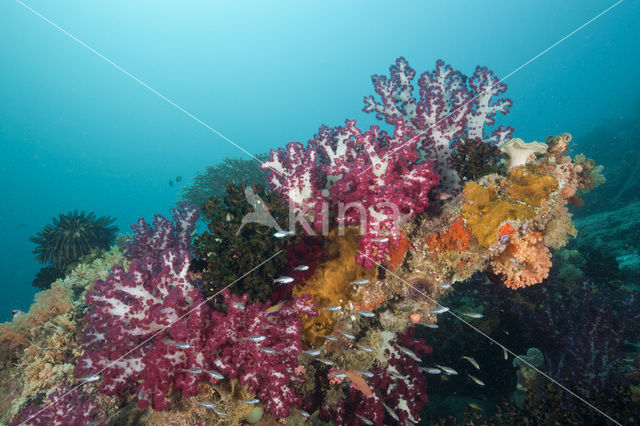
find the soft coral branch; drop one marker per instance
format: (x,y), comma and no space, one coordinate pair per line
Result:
(451,107)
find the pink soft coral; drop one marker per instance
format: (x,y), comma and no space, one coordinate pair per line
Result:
(234,349)
(144,328)
(450,107)
(525,261)
(68,407)
(399,384)
(369,178)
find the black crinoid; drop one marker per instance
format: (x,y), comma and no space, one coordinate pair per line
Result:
(71,236)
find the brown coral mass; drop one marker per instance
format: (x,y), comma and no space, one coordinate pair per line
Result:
(331,283)
(532,189)
(485,212)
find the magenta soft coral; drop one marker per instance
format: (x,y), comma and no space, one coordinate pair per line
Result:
(143,329)
(450,107)
(399,384)
(231,350)
(150,241)
(386,180)
(371,179)
(68,407)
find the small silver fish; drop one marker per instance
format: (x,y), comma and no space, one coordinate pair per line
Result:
(476,380)
(445,286)
(360,282)
(282,234)
(398,376)
(141,394)
(192,370)
(504,351)
(255,338)
(312,352)
(365,373)
(430,370)
(439,310)
(301,268)
(364,420)
(251,401)
(326,361)
(182,345)
(475,315)
(208,404)
(331,338)
(303,413)
(90,379)
(268,351)
(238,305)
(381,240)
(472,361)
(409,352)
(215,375)
(430,325)
(220,413)
(283,280)
(367,314)
(332,308)
(366,348)
(347,335)
(447,370)
(337,375)
(391,412)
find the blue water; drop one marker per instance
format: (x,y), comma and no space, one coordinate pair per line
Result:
(77,133)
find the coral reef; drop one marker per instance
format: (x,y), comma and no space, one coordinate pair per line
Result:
(320,321)
(71,236)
